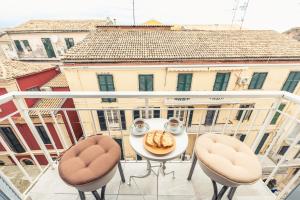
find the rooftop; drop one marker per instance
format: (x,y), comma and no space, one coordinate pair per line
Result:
(46,103)
(58,81)
(10,69)
(58,25)
(135,44)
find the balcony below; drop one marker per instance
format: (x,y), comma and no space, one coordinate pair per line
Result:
(50,186)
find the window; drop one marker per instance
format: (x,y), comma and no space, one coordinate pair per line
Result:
(184,115)
(291,82)
(184,82)
(43,134)
(26,45)
(258,79)
(11,139)
(152,113)
(18,45)
(146,82)
(242,137)
(283,149)
(2,163)
(277,114)
(261,143)
(221,81)
(69,42)
(111,119)
(27,162)
(247,113)
(48,47)
(106,83)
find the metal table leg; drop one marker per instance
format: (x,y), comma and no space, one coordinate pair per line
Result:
(163,170)
(142,176)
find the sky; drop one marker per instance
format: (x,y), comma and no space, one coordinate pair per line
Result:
(279,15)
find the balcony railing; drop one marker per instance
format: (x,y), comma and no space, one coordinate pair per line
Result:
(249,124)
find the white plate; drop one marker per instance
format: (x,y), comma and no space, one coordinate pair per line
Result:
(178,131)
(135,132)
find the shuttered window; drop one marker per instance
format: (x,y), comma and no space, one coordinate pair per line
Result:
(258,79)
(291,82)
(26,45)
(184,82)
(18,45)
(221,81)
(247,114)
(146,82)
(102,121)
(106,83)
(69,42)
(43,134)
(48,47)
(277,114)
(11,139)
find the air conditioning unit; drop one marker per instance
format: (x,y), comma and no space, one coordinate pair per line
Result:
(243,80)
(45,89)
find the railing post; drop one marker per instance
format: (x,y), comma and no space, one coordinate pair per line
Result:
(266,124)
(147,107)
(5,181)
(59,131)
(21,105)
(288,186)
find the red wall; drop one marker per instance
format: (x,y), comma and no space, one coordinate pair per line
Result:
(8,107)
(36,80)
(73,117)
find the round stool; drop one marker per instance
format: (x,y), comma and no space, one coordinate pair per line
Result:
(91,164)
(227,161)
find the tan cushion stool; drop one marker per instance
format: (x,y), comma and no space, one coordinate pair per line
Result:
(226,160)
(91,164)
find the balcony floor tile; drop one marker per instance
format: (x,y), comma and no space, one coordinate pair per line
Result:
(50,186)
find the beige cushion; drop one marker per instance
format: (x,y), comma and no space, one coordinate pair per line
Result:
(227,160)
(89,160)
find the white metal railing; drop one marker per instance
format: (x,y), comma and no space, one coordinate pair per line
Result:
(257,125)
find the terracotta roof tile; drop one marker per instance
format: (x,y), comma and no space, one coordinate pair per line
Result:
(58,25)
(58,81)
(46,103)
(119,45)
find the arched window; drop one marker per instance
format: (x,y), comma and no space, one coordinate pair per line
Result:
(27,161)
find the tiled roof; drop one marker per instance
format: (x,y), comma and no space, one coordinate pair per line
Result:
(58,81)
(4,38)
(123,45)
(58,25)
(12,69)
(46,103)
(294,33)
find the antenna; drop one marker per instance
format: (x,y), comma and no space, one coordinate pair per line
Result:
(239,12)
(133,12)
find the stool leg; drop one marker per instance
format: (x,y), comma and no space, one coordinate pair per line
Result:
(121,172)
(222,192)
(192,168)
(81,195)
(96,195)
(103,192)
(231,193)
(215,190)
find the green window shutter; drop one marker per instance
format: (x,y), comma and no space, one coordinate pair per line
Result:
(48,47)
(184,82)
(69,42)
(291,82)
(221,81)
(277,114)
(146,82)
(106,83)
(18,45)
(258,79)
(26,44)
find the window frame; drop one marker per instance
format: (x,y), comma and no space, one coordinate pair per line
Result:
(146,75)
(10,145)
(226,74)
(247,114)
(26,45)
(45,138)
(257,81)
(18,45)
(106,100)
(290,88)
(67,42)
(185,79)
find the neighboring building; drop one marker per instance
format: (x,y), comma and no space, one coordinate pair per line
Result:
(6,47)
(48,40)
(20,76)
(146,58)
(294,33)
(152,22)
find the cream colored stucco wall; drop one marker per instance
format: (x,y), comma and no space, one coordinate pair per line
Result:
(126,79)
